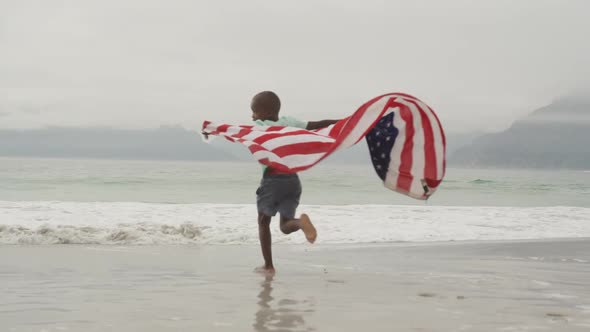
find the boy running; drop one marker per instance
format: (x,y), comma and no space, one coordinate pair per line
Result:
(279,192)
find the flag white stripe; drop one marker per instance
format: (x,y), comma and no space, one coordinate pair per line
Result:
(396,151)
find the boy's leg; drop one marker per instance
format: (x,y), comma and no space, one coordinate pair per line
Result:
(290,196)
(290,225)
(265,241)
(267,207)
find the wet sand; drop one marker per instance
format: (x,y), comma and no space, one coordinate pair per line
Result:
(454,286)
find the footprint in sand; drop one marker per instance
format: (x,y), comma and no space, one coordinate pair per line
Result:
(334,281)
(426,294)
(556,316)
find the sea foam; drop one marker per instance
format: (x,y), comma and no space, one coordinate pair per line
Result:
(154,224)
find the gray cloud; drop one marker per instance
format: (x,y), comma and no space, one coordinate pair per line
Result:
(132,63)
(29,109)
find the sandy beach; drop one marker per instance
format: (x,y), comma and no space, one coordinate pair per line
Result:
(452,286)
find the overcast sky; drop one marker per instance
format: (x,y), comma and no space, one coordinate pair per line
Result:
(145,63)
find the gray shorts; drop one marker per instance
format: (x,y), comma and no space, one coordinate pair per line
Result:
(278,193)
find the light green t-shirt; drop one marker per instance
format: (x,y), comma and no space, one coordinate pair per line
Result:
(285,121)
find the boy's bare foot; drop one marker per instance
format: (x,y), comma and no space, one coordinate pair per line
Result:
(308,228)
(266,271)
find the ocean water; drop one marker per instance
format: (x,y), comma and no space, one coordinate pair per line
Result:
(46,201)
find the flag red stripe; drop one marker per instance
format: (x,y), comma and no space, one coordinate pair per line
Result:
(243,132)
(429,151)
(405,168)
(303,148)
(337,128)
(268,137)
(274,128)
(223,128)
(296,148)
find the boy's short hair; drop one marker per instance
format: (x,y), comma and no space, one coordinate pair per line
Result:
(267,101)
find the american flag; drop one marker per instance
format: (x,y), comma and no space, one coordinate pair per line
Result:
(405,138)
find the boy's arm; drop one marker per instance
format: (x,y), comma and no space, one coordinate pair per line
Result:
(312,125)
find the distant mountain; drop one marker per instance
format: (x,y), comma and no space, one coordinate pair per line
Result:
(555,136)
(166,143)
(456,141)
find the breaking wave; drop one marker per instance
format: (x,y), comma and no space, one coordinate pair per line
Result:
(120,223)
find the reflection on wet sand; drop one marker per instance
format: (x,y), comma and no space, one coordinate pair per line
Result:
(284,315)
